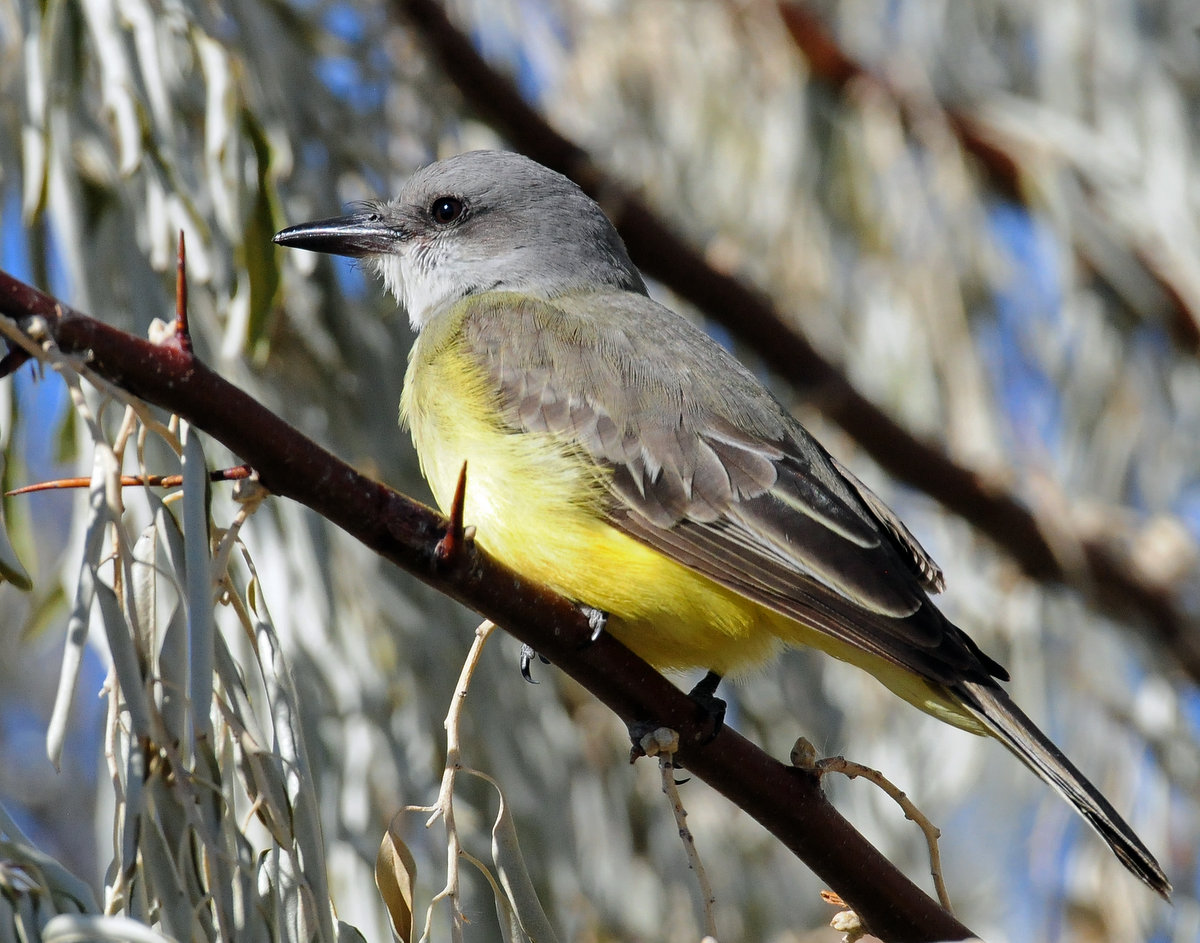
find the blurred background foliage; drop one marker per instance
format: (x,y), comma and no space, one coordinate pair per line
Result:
(992,226)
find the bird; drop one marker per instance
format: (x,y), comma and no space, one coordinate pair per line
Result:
(622,457)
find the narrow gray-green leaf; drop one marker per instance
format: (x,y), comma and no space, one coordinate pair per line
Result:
(288,729)
(8,931)
(173,675)
(164,883)
(125,660)
(199,582)
(77,622)
(172,538)
(514,878)
(134,808)
(10,564)
(60,881)
(144,568)
(80,928)
(349,934)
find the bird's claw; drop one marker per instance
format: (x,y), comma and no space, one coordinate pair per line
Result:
(527,657)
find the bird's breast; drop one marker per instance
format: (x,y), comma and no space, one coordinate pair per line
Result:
(533,499)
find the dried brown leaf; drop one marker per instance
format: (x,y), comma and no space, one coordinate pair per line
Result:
(395,875)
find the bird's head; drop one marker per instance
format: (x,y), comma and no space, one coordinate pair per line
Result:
(481,221)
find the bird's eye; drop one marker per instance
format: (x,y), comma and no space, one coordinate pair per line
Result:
(446,209)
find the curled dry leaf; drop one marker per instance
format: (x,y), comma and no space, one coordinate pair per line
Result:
(395,875)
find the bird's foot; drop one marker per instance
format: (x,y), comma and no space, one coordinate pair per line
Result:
(710,715)
(597,621)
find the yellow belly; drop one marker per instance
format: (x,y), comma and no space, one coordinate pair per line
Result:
(536,504)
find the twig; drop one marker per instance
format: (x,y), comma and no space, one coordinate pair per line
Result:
(236,473)
(250,495)
(664,743)
(804,757)
(443,807)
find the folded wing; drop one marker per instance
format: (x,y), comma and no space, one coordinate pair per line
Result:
(704,465)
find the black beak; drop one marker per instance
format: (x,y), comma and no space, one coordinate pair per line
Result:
(356,235)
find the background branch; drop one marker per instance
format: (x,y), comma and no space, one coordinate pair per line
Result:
(998,154)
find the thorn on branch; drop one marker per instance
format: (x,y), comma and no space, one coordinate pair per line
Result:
(183,332)
(450,547)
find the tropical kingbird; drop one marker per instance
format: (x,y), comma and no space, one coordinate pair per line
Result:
(620,456)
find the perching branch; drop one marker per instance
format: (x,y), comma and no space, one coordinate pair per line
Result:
(1097,567)
(786,801)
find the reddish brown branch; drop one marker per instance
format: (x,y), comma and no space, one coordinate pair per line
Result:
(236,473)
(1109,579)
(787,801)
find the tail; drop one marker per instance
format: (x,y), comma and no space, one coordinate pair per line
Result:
(1008,724)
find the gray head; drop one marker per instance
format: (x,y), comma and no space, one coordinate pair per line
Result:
(483,221)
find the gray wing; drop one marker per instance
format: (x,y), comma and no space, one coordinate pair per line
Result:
(710,469)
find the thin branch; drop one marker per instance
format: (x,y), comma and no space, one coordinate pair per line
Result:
(804,756)
(786,801)
(1106,575)
(664,744)
(443,808)
(237,473)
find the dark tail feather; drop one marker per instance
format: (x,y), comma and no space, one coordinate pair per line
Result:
(1010,726)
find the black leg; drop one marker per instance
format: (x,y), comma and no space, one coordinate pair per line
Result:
(710,710)
(710,706)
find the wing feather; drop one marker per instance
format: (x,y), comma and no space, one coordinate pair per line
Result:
(708,468)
